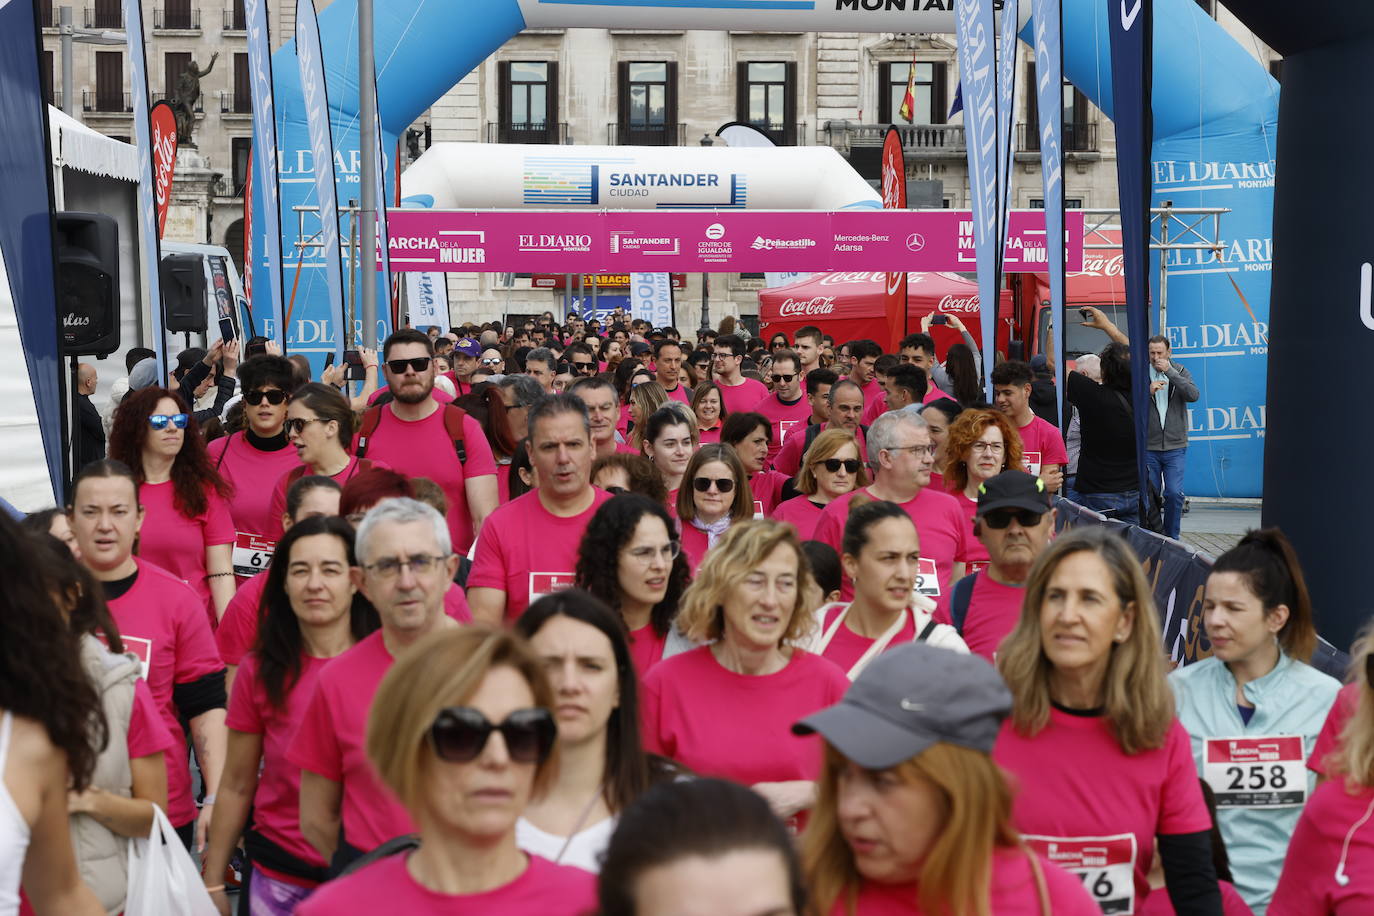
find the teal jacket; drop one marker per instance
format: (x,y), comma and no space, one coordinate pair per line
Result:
(1293,699)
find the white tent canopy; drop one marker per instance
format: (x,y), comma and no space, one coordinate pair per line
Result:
(76,146)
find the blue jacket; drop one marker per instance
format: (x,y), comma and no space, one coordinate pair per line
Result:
(1293,699)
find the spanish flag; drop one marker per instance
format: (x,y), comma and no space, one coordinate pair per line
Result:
(909,100)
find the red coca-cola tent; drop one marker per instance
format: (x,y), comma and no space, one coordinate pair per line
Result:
(849,306)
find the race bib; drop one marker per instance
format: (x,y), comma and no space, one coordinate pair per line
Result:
(975,566)
(784,428)
(927,578)
(1105,865)
(546,583)
(141,647)
(1256,772)
(1031,460)
(252,553)
(758,508)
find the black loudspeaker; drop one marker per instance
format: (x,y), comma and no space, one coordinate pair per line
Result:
(183,293)
(88,283)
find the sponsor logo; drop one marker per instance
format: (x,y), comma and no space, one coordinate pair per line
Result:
(816,305)
(887,6)
(951,303)
(663,180)
(894,282)
(81,321)
(844,278)
(763,244)
(715,231)
(630,241)
(582,243)
(1172,173)
(1102,266)
(915,242)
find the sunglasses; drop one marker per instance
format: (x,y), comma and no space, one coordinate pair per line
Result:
(582,368)
(160,420)
(723,484)
(459,734)
(273,396)
(418,364)
(833,465)
(783,378)
(492,361)
(1002,518)
(296,425)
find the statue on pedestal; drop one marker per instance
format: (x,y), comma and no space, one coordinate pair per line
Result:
(183,101)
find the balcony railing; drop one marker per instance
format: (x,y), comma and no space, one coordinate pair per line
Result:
(235,103)
(235,20)
(929,140)
(100,17)
(1078,137)
(200,102)
(176,20)
(528,133)
(110,102)
(783,134)
(647,135)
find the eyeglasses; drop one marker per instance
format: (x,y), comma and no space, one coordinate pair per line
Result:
(723,484)
(1001,518)
(418,364)
(994,447)
(160,420)
(721,355)
(296,425)
(419,563)
(492,361)
(833,465)
(783,378)
(273,396)
(645,555)
(459,734)
(917,449)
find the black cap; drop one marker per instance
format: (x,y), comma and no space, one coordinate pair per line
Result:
(1013,490)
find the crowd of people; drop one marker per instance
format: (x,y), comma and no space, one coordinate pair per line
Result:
(582,619)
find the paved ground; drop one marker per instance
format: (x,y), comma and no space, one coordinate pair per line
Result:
(1215,527)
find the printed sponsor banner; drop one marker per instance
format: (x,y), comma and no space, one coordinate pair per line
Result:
(263,192)
(755,240)
(766,15)
(1048,34)
(1006,107)
(651,298)
(601,281)
(974,38)
(427,296)
(219,285)
(164,127)
(894,198)
(379,204)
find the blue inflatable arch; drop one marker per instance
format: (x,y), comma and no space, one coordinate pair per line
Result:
(1215,111)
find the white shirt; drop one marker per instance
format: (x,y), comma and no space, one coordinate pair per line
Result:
(583,851)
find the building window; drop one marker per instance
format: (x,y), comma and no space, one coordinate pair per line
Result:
(174,63)
(243,93)
(1070,203)
(109,81)
(176,14)
(767,99)
(235,19)
(107,14)
(648,104)
(1079,133)
(929,92)
(239,148)
(528,108)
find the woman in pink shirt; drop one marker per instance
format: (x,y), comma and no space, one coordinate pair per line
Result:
(980,445)
(670,438)
(187,527)
(710,411)
(830,469)
(726,709)
(312,613)
(461,731)
(913,816)
(750,434)
(1102,767)
(714,496)
(645,581)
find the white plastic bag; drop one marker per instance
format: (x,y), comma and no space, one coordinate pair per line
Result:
(163,879)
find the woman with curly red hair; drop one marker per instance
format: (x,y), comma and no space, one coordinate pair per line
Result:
(980,445)
(187,529)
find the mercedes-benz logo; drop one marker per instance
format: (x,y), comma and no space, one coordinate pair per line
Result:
(915,242)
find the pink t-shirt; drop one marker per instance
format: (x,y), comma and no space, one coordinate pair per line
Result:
(767,489)
(1074,783)
(1232,904)
(331,741)
(1346,702)
(528,551)
(1308,883)
(238,629)
(709,436)
(276,804)
(1041,444)
(940,525)
(719,723)
(847,647)
(786,420)
(742,397)
(993,611)
(694,545)
(148,734)
(543,889)
(801,513)
(177,543)
(875,404)
(680,393)
(163,623)
(1012,892)
(354,467)
(975,554)
(646,648)
(789,458)
(439,394)
(253,474)
(422,448)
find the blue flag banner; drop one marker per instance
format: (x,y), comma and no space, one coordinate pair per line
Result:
(1048,35)
(26,225)
(316,99)
(383,236)
(974,36)
(147,212)
(1130,23)
(1006,122)
(266,202)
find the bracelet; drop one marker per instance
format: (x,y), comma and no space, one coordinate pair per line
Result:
(217,889)
(213,575)
(208,800)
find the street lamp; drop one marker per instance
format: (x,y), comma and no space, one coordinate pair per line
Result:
(70,34)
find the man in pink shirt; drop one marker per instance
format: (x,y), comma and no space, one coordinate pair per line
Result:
(530,548)
(740,394)
(844,405)
(785,408)
(668,359)
(602,410)
(406,566)
(899,443)
(412,437)
(1014,522)
(807,343)
(863,372)
(1042,447)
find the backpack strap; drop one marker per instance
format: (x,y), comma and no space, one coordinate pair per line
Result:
(812,431)
(453,422)
(926,630)
(372,418)
(224,451)
(959,600)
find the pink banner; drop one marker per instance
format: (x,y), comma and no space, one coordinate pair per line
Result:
(752,241)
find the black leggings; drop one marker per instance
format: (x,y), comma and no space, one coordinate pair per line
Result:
(187,832)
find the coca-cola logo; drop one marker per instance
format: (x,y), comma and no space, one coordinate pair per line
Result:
(952,303)
(816,305)
(844,277)
(1102,266)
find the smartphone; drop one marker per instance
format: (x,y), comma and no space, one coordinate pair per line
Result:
(226,329)
(329,359)
(353,366)
(940,319)
(1086,313)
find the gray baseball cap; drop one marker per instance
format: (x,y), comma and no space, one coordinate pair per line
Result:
(910,698)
